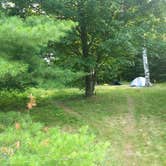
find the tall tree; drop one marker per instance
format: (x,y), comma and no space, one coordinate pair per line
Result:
(93,18)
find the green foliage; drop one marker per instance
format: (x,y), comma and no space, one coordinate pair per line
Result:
(20,50)
(53,76)
(88,44)
(11,68)
(22,40)
(41,146)
(107,36)
(112,31)
(13,98)
(14,75)
(21,8)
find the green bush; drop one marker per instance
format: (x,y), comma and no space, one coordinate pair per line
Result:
(56,77)
(13,99)
(14,75)
(21,44)
(32,144)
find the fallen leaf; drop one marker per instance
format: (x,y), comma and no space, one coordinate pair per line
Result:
(17,144)
(45,142)
(17,126)
(29,106)
(45,129)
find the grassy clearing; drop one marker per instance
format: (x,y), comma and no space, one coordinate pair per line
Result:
(131,119)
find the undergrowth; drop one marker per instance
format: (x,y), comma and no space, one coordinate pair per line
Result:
(23,142)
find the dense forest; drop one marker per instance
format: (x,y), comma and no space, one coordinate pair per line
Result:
(66,42)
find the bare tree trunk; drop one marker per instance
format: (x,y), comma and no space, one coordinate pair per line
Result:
(146,67)
(90,85)
(90,77)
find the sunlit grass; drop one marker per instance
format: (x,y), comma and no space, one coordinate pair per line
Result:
(131,119)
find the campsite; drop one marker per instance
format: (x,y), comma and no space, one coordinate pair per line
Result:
(82,83)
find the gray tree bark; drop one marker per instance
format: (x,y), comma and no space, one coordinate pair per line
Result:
(146,67)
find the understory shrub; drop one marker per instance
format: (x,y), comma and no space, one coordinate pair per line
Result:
(14,75)
(13,99)
(24,142)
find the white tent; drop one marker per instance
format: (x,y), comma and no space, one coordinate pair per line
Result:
(138,82)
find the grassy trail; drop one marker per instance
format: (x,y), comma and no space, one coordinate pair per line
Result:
(129,150)
(133,120)
(128,119)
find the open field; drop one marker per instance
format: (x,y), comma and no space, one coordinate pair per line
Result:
(133,120)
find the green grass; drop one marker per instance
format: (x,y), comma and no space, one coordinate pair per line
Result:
(133,120)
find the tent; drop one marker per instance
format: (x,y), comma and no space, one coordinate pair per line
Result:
(138,82)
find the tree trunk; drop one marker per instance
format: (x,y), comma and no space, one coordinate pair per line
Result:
(89,85)
(146,67)
(90,77)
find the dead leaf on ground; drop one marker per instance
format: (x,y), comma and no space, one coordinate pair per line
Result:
(17,126)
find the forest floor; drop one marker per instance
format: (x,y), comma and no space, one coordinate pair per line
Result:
(133,120)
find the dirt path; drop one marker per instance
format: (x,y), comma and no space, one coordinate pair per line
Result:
(127,153)
(67,109)
(129,130)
